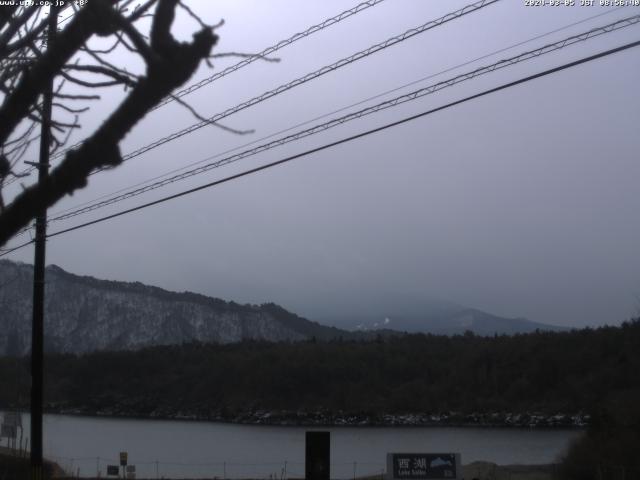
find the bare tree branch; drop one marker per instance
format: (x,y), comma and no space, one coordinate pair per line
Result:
(16,105)
(118,77)
(14,26)
(84,83)
(244,55)
(141,10)
(76,97)
(171,64)
(70,109)
(206,120)
(31,36)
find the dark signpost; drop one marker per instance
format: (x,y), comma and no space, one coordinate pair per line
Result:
(123,463)
(113,470)
(318,455)
(423,466)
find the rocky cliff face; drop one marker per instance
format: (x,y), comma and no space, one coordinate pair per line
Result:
(84,314)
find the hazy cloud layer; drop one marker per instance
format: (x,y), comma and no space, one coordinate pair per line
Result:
(522,203)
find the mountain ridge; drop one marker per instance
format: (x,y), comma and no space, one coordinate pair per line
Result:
(452,320)
(84,314)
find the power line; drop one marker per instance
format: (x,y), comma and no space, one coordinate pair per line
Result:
(270,50)
(243,63)
(304,79)
(354,137)
(361,113)
(306,122)
(341,141)
(7,251)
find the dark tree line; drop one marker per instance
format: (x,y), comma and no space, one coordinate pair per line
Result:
(547,372)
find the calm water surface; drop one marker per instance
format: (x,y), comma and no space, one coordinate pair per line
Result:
(180,449)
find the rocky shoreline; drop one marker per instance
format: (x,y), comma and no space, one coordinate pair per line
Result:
(347,419)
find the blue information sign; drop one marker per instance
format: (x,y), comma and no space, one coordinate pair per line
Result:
(423,466)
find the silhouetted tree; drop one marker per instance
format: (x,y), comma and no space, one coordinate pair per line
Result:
(28,64)
(414,373)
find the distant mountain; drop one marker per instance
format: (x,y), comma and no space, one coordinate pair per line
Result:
(439,318)
(84,314)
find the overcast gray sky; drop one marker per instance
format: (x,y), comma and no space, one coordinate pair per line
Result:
(523,203)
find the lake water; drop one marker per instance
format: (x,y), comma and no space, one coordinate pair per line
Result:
(187,449)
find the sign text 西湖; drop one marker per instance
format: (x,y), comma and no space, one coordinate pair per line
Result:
(423,466)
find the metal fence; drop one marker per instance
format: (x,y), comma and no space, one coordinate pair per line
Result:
(96,467)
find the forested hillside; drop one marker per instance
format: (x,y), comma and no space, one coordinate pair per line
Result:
(84,314)
(567,372)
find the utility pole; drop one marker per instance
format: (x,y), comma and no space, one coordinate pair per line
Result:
(37,332)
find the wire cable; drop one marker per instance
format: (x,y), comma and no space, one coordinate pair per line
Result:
(247,61)
(7,251)
(302,80)
(270,50)
(341,141)
(354,137)
(306,122)
(359,114)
